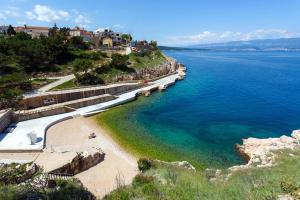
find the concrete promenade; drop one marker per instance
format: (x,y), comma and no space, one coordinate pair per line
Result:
(17,139)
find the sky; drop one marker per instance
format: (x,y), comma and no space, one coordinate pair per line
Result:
(170,22)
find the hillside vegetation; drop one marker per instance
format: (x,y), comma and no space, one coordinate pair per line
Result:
(23,58)
(26,181)
(164,181)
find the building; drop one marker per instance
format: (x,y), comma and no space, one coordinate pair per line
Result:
(107,42)
(138,46)
(34,31)
(3,29)
(80,32)
(116,37)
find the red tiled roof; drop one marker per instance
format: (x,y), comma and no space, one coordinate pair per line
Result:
(19,28)
(37,27)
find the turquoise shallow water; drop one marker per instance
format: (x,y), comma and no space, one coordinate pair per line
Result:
(226,96)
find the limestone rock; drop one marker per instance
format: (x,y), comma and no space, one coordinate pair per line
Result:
(285,197)
(259,152)
(296,134)
(184,164)
(81,162)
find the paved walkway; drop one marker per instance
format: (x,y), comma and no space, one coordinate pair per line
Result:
(56,83)
(18,140)
(49,86)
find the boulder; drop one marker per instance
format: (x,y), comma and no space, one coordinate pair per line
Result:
(81,162)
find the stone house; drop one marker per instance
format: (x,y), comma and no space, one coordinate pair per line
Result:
(107,42)
(3,29)
(80,32)
(138,46)
(34,31)
(116,37)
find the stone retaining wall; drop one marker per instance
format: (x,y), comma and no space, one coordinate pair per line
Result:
(51,98)
(6,118)
(60,108)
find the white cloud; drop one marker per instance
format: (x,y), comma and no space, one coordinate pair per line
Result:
(214,37)
(12,12)
(2,16)
(21,22)
(118,26)
(30,15)
(46,14)
(82,19)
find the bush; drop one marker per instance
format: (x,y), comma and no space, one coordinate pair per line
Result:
(141,179)
(119,61)
(144,164)
(89,79)
(82,65)
(288,186)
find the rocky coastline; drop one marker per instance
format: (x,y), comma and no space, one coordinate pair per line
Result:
(168,67)
(262,152)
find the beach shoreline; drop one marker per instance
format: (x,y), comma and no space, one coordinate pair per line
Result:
(67,138)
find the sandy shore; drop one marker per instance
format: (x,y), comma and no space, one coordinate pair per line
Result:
(64,139)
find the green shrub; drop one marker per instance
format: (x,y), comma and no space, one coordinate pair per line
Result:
(144,164)
(141,179)
(288,186)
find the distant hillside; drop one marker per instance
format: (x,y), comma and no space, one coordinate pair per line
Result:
(180,48)
(282,44)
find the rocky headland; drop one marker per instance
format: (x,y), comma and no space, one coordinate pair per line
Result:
(169,66)
(262,152)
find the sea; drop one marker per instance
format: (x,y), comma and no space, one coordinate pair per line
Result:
(225,98)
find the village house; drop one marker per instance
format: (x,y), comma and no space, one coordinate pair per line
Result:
(80,32)
(143,45)
(107,42)
(34,31)
(107,36)
(3,29)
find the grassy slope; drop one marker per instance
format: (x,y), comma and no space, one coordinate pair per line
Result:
(66,85)
(166,182)
(136,63)
(38,83)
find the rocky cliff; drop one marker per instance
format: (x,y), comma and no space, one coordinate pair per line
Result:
(168,67)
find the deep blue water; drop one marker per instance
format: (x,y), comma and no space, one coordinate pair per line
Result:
(226,96)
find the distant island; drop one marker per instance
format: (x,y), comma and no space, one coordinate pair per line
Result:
(282,44)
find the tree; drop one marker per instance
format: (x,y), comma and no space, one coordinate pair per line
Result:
(127,37)
(82,66)
(153,44)
(77,42)
(22,36)
(11,31)
(64,31)
(119,61)
(53,30)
